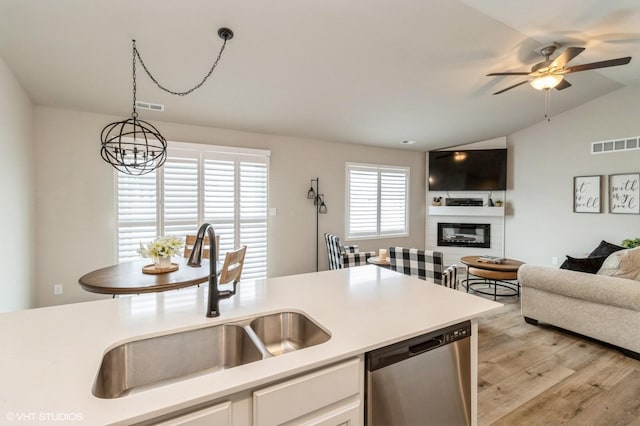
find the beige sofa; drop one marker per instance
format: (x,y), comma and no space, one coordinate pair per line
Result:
(599,306)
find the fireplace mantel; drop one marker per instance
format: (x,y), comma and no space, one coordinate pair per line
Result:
(465,211)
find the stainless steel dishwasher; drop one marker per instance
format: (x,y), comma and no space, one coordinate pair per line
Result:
(425,380)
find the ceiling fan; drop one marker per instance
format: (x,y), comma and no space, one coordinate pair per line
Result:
(550,74)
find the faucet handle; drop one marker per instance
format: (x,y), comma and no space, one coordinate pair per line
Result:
(225,294)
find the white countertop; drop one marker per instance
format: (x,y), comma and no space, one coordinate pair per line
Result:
(50,356)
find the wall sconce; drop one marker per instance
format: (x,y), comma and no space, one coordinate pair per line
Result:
(321,208)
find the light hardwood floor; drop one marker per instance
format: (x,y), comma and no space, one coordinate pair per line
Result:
(539,375)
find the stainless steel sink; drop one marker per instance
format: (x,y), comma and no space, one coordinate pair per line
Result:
(155,361)
(161,359)
(287,331)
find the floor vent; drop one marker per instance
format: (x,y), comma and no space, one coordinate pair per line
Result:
(604,147)
(149,106)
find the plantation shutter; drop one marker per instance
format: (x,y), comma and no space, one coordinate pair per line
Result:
(137,203)
(253,217)
(363,202)
(180,213)
(220,200)
(393,202)
(199,184)
(235,198)
(377,201)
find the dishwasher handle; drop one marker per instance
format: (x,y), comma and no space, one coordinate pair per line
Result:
(427,345)
(397,352)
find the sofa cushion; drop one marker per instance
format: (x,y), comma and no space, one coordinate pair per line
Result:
(590,265)
(622,264)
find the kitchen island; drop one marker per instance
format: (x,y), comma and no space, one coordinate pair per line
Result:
(51,356)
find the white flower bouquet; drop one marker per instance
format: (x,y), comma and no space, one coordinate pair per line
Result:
(162,247)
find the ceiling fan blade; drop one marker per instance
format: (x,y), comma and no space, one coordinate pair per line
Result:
(601,64)
(563,85)
(511,87)
(507,73)
(566,56)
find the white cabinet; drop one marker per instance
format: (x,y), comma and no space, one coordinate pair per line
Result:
(331,396)
(347,413)
(219,415)
(236,411)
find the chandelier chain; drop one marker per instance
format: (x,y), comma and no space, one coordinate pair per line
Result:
(134,114)
(186,92)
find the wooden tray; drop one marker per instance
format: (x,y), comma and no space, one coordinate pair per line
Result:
(153,269)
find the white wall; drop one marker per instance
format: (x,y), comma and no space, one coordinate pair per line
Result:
(75,219)
(17,189)
(544,159)
(76,214)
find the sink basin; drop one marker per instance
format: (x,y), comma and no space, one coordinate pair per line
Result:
(161,359)
(145,363)
(287,331)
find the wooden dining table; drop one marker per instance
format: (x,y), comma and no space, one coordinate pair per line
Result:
(128,278)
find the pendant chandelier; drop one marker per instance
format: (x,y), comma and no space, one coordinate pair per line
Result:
(134,146)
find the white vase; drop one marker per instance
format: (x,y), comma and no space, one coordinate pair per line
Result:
(162,261)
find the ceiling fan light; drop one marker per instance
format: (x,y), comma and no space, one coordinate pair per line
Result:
(546,82)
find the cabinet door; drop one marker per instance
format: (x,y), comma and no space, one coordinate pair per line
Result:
(301,396)
(218,415)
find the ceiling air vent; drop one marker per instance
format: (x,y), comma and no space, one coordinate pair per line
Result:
(149,106)
(616,145)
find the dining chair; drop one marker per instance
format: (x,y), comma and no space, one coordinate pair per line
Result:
(232,266)
(423,264)
(190,241)
(341,256)
(450,277)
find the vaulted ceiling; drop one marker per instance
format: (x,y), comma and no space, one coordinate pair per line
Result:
(359,71)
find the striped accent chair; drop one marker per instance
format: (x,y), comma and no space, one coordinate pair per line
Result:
(344,256)
(423,264)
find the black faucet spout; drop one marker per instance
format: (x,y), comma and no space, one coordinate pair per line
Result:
(195,259)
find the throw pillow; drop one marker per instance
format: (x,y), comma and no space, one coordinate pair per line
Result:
(623,264)
(605,249)
(590,265)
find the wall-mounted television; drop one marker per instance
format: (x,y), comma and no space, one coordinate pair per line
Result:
(470,170)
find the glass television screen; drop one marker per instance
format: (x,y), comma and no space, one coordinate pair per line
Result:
(473,170)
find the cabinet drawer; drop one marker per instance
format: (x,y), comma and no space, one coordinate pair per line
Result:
(345,414)
(217,415)
(294,398)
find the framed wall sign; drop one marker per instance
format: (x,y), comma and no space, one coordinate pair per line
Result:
(624,193)
(586,194)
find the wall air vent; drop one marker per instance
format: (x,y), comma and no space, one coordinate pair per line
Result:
(149,106)
(615,145)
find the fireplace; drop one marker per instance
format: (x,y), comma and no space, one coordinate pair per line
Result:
(464,234)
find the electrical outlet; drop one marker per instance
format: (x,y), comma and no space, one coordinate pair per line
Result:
(554,260)
(57,289)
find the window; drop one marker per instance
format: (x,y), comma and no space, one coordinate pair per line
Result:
(226,187)
(377,201)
